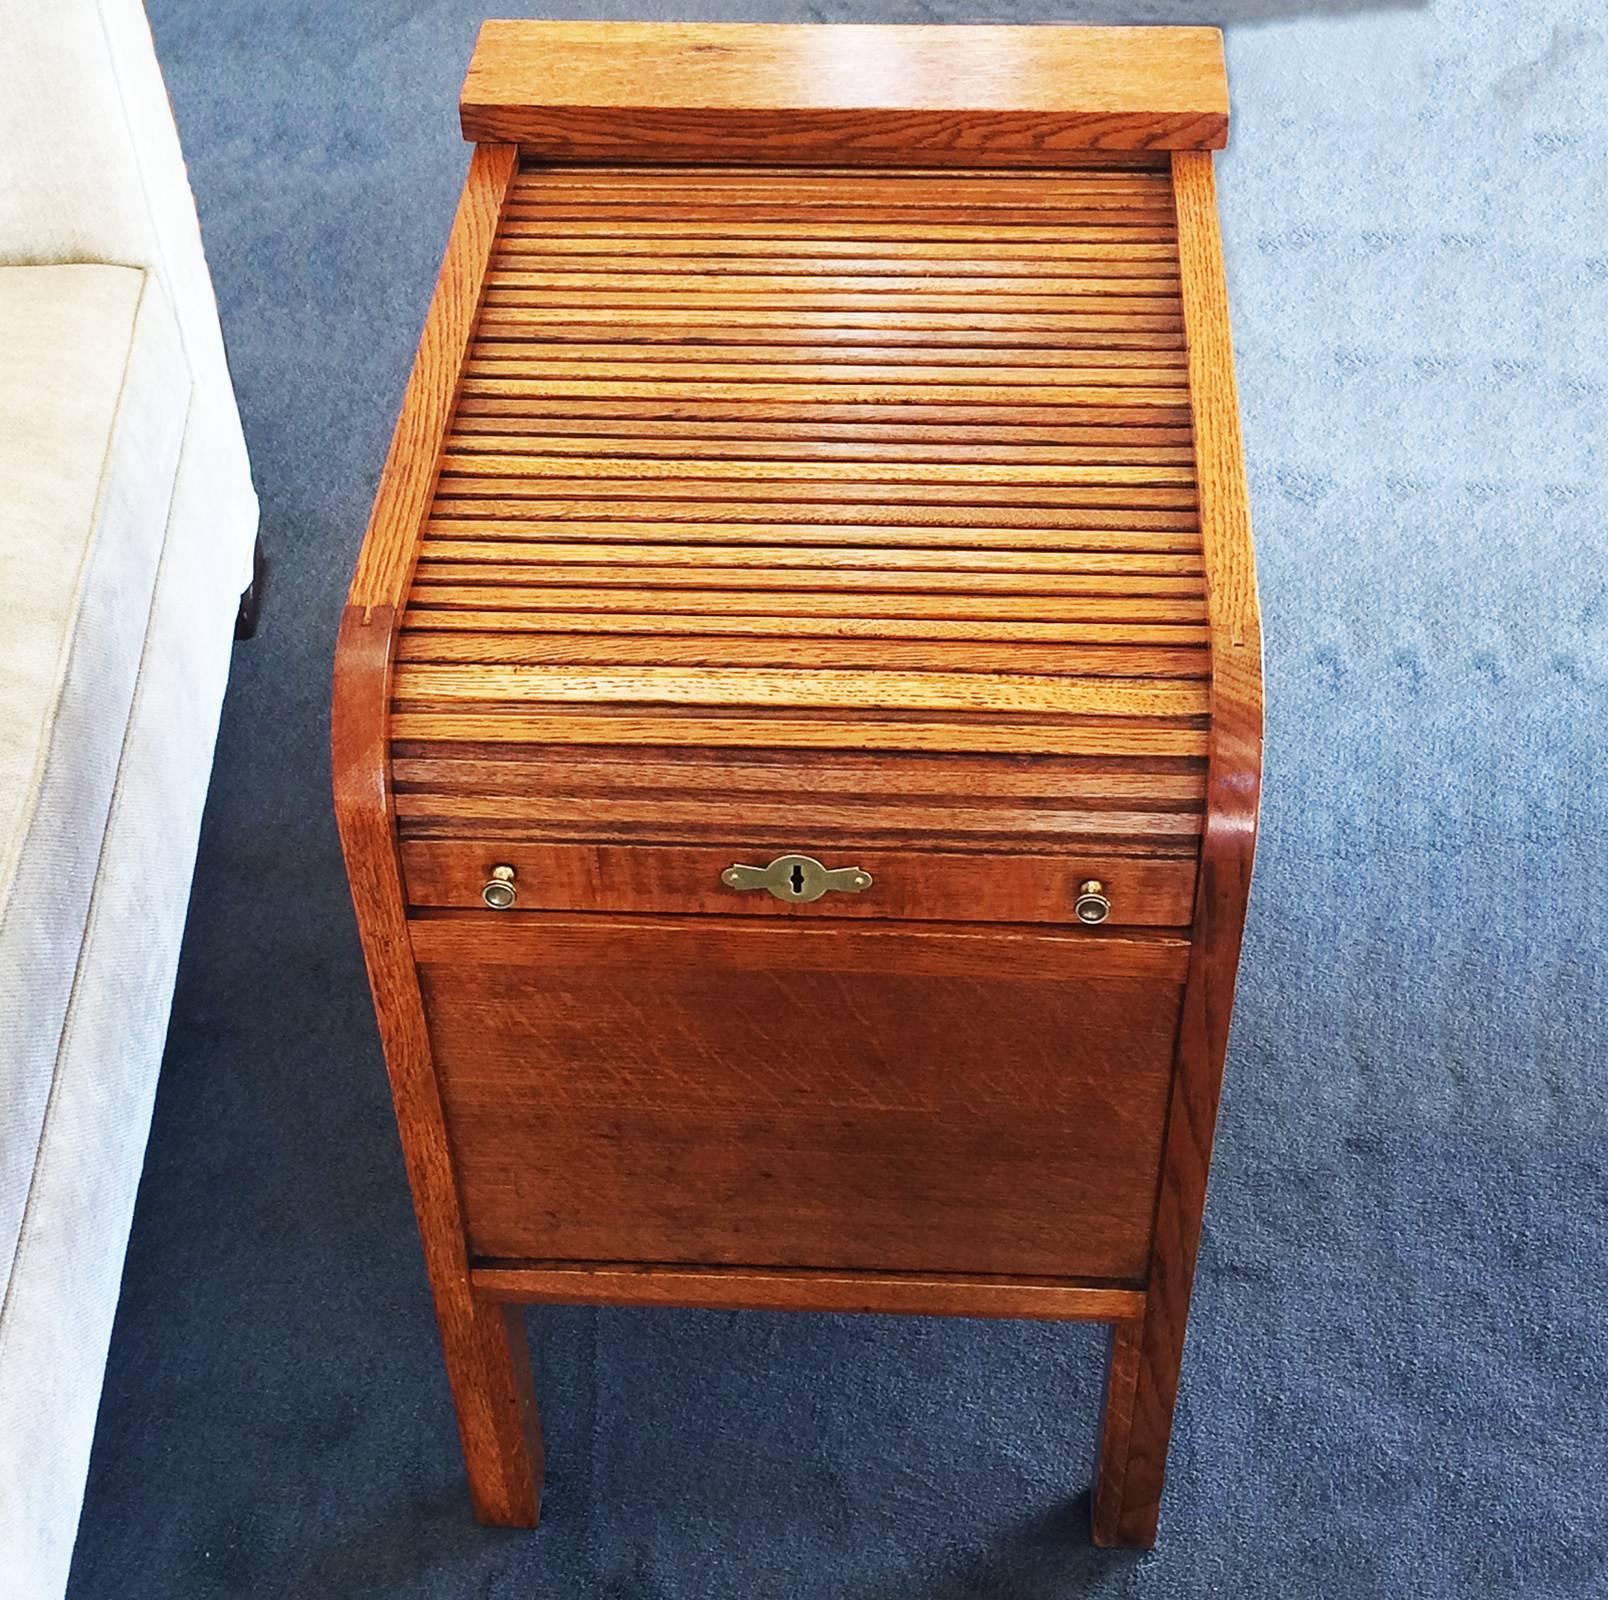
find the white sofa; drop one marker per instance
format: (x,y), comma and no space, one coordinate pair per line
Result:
(127,526)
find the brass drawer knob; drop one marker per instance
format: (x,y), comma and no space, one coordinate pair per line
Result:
(1091,905)
(499,892)
(799,879)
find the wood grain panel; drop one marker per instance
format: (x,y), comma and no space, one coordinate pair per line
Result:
(561,770)
(582,1130)
(483,1344)
(709,686)
(825,944)
(1146,1358)
(910,886)
(843,93)
(411,467)
(657,649)
(800,1289)
(1093,629)
(1094,736)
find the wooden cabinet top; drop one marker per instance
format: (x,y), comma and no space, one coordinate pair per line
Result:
(843,92)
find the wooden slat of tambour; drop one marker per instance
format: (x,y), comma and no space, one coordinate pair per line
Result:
(765,492)
(917,297)
(543,330)
(1054,278)
(785,581)
(801,186)
(739,185)
(1116,205)
(1091,214)
(539,443)
(994,853)
(926,691)
(788,603)
(805,535)
(840,557)
(534,165)
(601,649)
(1010,329)
(825,436)
(532,353)
(850,513)
(765,239)
(1130,396)
(551,254)
(691,281)
(583,182)
(1153,785)
(544,444)
(751,815)
(1095,736)
(691,406)
(559,771)
(699,469)
(509,290)
(789,624)
(888,231)
(714,368)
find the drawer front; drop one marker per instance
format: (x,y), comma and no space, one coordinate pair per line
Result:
(645,1090)
(914,885)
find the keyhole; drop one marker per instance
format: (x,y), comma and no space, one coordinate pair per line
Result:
(797,878)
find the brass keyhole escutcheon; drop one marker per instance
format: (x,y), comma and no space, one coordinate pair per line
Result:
(799,879)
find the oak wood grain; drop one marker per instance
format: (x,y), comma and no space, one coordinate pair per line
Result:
(801,1289)
(934,886)
(1134,1448)
(824,944)
(843,93)
(409,476)
(483,1344)
(1069,737)
(866,1119)
(844,459)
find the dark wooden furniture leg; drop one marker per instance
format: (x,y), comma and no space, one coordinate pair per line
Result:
(251,596)
(488,1366)
(1141,1389)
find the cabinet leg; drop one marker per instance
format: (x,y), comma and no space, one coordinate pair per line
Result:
(488,1366)
(250,611)
(1141,1386)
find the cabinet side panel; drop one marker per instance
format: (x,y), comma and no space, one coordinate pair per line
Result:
(483,1345)
(1134,1459)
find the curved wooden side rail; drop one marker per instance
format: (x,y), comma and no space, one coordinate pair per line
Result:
(1142,1381)
(484,1342)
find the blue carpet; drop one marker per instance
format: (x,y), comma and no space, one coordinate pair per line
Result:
(1398,1365)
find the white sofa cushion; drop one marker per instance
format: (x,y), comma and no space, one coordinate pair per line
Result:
(94,395)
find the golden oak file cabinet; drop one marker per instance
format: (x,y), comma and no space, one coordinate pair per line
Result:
(797,719)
